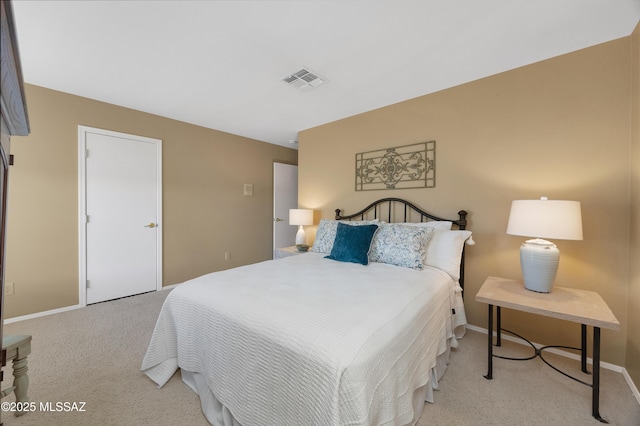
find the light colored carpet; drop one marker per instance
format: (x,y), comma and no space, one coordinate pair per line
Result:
(93,355)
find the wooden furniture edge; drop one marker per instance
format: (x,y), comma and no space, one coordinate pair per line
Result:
(483,298)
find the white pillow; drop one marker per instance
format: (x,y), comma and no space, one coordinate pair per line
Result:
(326,233)
(401,245)
(445,251)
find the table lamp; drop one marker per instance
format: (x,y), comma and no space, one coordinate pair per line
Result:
(300,217)
(543,218)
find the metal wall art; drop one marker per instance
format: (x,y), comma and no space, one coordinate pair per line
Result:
(401,167)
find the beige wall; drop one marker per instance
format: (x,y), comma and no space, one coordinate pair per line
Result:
(558,128)
(633,343)
(204,210)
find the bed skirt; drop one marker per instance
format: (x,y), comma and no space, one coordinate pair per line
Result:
(219,415)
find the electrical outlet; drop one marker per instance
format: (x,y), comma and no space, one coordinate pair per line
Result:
(227,255)
(9,288)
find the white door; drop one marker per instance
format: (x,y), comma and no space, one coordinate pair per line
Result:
(120,214)
(285,197)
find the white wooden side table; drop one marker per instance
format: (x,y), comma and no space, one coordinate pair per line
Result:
(580,306)
(288,251)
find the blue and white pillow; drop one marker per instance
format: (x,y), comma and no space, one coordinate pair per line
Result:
(401,245)
(443,225)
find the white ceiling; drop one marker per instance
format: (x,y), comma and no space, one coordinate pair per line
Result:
(218,64)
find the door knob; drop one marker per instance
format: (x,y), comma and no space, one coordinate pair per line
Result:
(277,219)
(151,225)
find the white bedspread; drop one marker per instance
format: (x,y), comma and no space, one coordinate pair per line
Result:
(306,340)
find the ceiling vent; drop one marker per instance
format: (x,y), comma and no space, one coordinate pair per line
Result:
(304,79)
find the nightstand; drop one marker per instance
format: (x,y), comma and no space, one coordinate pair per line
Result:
(580,306)
(288,251)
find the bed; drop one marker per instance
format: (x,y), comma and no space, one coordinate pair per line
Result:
(329,337)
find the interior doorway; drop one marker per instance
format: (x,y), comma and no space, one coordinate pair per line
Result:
(285,197)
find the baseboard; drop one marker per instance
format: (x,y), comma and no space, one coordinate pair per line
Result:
(41,314)
(171,287)
(57,311)
(608,366)
(632,385)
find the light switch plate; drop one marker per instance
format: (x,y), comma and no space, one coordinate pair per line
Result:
(248,189)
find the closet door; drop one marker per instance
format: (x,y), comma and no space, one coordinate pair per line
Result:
(120,214)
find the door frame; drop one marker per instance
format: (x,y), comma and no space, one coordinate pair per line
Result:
(82,204)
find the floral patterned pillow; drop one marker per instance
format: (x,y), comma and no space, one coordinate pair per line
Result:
(326,233)
(401,245)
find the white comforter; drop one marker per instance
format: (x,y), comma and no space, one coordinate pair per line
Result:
(306,340)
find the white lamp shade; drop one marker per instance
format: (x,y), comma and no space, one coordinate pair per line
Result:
(556,219)
(300,217)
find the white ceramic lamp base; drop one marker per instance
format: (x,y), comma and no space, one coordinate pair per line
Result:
(539,262)
(301,238)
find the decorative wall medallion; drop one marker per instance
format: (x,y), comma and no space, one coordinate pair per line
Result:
(408,166)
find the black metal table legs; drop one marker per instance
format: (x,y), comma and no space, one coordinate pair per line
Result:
(595,384)
(489,375)
(595,396)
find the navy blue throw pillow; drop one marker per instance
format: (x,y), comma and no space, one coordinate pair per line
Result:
(352,243)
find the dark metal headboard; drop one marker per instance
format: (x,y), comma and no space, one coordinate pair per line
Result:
(376,207)
(407,207)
